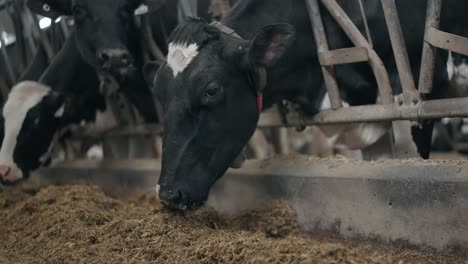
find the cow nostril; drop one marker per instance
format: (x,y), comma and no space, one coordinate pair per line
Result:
(5,172)
(170,196)
(103,57)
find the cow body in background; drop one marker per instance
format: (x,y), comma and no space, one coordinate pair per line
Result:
(209,116)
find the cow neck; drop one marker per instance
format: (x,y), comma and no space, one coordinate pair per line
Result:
(257,76)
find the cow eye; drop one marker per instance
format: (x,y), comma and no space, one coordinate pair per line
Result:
(213,94)
(212,90)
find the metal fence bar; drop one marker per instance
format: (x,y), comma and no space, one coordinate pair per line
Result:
(359,40)
(322,44)
(7,61)
(374,113)
(434,9)
(64,27)
(44,40)
(357,114)
(447,41)
(186,9)
(410,92)
(343,56)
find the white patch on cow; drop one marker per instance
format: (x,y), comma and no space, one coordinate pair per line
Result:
(60,112)
(457,73)
(141,10)
(460,74)
(351,136)
(450,66)
(158,188)
(326,104)
(363,135)
(180,56)
(96,152)
(21,99)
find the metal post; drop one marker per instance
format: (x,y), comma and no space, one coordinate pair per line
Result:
(434,9)
(411,94)
(149,39)
(43,39)
(64,27)
(322,45)
(6,59)
(359,40)
(187,7)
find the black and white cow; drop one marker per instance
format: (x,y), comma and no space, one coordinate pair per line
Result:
(108,39)
(104,42)
(208,83)
(36,112)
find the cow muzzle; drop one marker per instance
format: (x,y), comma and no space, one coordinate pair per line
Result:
(114,59)
(9,174)
(177,200)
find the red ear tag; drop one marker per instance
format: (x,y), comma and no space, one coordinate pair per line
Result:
(259,101)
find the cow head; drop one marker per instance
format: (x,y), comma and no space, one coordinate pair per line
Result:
(102,29)
(31,120)
(209,104)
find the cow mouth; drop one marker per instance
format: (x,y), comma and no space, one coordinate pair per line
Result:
(8,180)
(183,207)
(122,71)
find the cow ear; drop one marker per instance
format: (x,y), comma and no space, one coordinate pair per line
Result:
(51,8)
(149,71)
(270,44)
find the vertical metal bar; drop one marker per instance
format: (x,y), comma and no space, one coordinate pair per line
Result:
(43,39)
(399,50)
(185,8)
(353,33)
(366,25)
(153,47)
(64,27)
(7,61)
(28,24)
(322,45)
(434,9)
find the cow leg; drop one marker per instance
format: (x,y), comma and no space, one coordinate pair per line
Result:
(422,136)
(115,147)
(141,147)
(259,146)
(280,140)
(382,149)
(405,147)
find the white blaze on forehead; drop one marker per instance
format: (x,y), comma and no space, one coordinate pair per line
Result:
(180,56)
(21,99)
